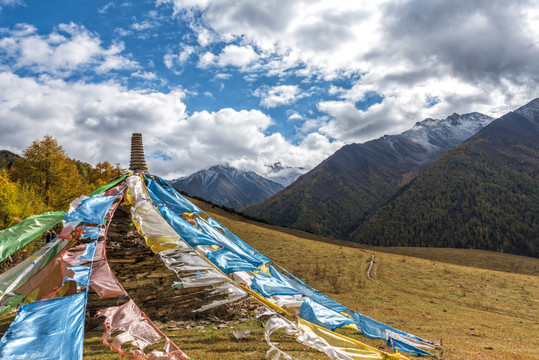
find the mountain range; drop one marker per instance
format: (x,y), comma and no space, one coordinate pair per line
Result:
(228,186)
(483,194)
(338,195)
(467,181)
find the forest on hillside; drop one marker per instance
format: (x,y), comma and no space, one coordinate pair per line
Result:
(44,179)
(471,198)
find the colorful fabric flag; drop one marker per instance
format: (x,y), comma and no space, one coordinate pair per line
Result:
(17,236)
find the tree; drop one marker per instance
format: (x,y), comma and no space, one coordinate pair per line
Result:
(103,173)
(17,200)
(46,167)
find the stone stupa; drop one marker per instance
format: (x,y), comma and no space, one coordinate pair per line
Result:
(138,163)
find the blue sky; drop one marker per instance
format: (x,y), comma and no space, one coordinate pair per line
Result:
(251,83)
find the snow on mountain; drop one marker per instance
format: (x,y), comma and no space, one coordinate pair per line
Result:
(358,178)
(284,175)
(436,135)
(530,110)
(228,186)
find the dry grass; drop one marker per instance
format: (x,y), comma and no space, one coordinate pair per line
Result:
(481,305)
(452,295)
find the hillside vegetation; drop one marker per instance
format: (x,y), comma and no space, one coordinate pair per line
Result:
(477,313)
(338,195)
(46,179)
(483,195)
(7,159)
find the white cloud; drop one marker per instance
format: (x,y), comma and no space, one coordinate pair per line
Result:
(278,95)
(294,115)
(69,48)
(11,3)
(472,57)
(231,55)
(146,75)
(106,7)
(94,122)
(185,53)
(180,5)
(173,60)
(143,25)
(206,60)
(237,56)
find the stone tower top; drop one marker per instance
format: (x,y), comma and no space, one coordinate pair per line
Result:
(138,163)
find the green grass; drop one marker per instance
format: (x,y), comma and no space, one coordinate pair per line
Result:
(480,305)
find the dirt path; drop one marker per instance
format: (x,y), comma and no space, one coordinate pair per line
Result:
(371,264)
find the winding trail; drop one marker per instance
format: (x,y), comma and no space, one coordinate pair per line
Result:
(370,267)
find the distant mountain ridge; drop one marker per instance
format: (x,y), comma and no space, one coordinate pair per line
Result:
(284,175)
(228,186)
(7,159)
(483,194)
(441,135)
(339,194)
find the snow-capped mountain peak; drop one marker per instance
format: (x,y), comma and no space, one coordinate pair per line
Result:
(529,110)
(284,175)
(436,134)
(226,185)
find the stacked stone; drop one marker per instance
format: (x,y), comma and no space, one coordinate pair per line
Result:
(144,276)
(138,163)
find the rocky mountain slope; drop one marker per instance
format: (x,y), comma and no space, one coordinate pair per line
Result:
(483,194)
(225,185)
(338,195)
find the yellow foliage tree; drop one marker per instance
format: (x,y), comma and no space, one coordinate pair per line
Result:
(46,167)
(17,200)
(103,173)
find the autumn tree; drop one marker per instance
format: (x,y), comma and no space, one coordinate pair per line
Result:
(46,167)
(103,173)
(17,200)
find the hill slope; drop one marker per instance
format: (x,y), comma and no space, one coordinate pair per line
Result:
(225,185)
(476,312)
(7,159)
(338,195)
(484,194)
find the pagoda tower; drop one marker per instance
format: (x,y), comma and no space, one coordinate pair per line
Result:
(138,163)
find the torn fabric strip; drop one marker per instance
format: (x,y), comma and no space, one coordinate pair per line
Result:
(323,316)
(103,281)
(15,237)
(273,324)
(108,186)
(369,328)
(18,275)
(135,328)
(176,254)
(157,232)
(91,210)
(193,271)
(328,341)
(190,234)
(169,197)
(47,330)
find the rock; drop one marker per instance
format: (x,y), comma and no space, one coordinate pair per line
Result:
(241,335)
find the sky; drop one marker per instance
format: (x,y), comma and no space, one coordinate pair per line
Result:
(252,83)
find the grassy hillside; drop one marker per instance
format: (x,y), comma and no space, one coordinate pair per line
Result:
(477,313)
